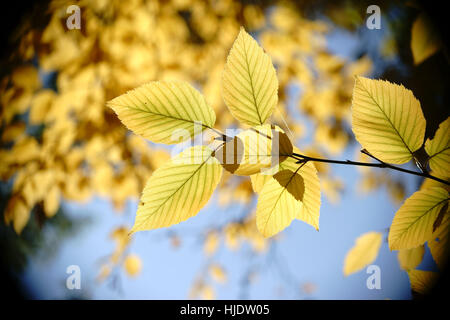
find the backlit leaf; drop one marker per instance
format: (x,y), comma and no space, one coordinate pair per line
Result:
(252,150)
(439,245)
(410,258)
(311,197)
(422,281)
(424,40)
(364,252)
(164,112)
(179,189)
(387,120)
(250,85)
(413,222)
(279,202)
(132,265)
(438,149)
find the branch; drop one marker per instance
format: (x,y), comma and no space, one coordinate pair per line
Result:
(303,159)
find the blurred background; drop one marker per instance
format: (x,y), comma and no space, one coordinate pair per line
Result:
(71,174)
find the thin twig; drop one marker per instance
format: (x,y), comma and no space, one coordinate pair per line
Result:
(302,158)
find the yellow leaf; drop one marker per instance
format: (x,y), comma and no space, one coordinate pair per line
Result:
(211,243)
(387,120)
(413,222)
(280,202)
(422,281)
(18,212)
(164,112)
(207,293)
(364,252)
(424,40)
(132,265)
(439,245)
(410,258)
(438,149)
(217,273)
(179,189)
(51,201)
(254,149)
(311,197)
(250,84)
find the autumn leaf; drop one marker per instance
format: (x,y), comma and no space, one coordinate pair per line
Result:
(279,202)
(252,150)
(132,265)
(439,245)
(422,281)
(311,197)
(250,84)
(438,149)
(179,189)
(424,40)
(387,120)
(364,252)
(410,258)
(164,112)
(413,222)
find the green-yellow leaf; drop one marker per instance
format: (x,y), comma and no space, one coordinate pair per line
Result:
(364,252)
(422,281)
(179,189)
(413,222)
(410,258)
(438,149)
(280,202)
(311,197)
(424,40)
(252,150)
(439,245)
(164,112)
(387,120)
(250,84)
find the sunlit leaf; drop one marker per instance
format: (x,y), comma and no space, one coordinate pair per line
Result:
(217,273)
(279,202)
(422,281)
(164,112)
(410,258)
(250,85)
(439,245)
(179,189)
(311,197)
(364,252)
(438,149)
(132,265)
(387,120)
(51,201)
(424,39)
(252,150)
(211,243)
(413,222)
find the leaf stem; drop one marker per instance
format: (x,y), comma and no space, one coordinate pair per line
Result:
(302,159)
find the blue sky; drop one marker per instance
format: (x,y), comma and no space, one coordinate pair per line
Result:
(302,255)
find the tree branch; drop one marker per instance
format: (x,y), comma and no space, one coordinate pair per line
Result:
(302,159)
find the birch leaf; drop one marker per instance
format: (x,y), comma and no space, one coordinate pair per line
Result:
(413,222)
(387,120)
(280,202)
(250,84)
(252,150)
(424,40)
(364,252)
(164,112)
(410,258)
(179,189)
(438,149)
(422,281)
